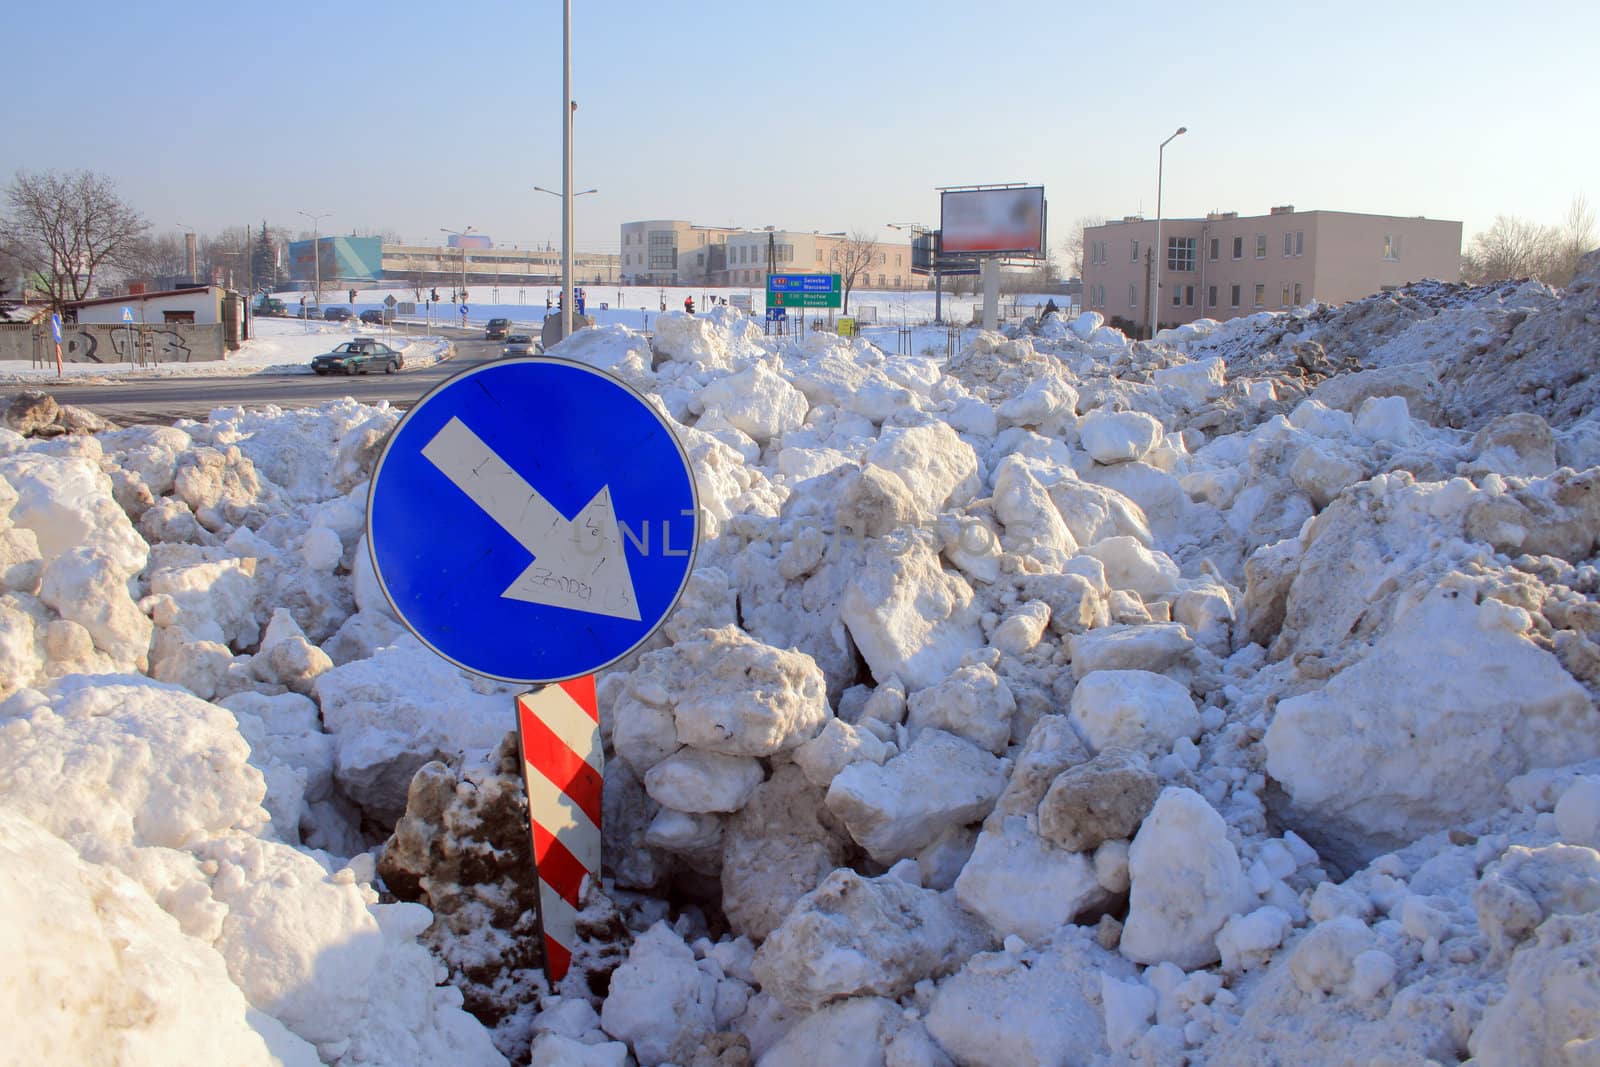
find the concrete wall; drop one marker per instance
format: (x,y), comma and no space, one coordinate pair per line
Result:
(106,344)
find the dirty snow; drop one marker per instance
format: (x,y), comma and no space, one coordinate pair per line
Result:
(1224,699)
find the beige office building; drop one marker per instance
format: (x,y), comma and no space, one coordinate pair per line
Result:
(1224,266)
(492,267)
(673,252)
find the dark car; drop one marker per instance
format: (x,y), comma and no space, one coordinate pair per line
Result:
(376,317)
(308,311)
(496,329)
(337,315)
(359,357)
(518,344)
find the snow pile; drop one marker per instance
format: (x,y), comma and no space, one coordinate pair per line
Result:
(1222,699)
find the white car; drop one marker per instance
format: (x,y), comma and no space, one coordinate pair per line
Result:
(519,344)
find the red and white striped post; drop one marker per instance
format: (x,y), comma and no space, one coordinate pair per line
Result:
(558,727)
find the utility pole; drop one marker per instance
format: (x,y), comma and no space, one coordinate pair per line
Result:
(568,106)
(316,250)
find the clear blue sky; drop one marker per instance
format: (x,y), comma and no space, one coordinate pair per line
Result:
(810,114)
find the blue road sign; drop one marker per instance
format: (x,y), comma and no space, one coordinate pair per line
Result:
(533,520)
(55,328)
(127,314)
(802,283)
(463,311)
(777,314)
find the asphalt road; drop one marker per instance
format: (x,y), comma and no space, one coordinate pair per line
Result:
(130,401)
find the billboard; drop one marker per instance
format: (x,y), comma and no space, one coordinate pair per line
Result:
(927,257)
(353,259)
(993,221)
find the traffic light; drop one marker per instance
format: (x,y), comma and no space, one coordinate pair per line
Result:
(352,296)
(436,296)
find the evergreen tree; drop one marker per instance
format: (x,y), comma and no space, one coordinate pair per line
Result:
(264,260)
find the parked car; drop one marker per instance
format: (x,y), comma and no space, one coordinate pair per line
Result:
(519,344)
(308,311)
(496,329)
(272,306)
(376,316)
(359,356)
(337,314)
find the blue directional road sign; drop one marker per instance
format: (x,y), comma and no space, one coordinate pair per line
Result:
(533,520)
(55,328)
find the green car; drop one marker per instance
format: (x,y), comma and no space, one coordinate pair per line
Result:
(358,357)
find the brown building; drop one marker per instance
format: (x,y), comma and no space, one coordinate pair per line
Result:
(1224,266)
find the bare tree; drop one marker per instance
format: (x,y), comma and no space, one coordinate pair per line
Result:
(66,228)
(852,260)
(1517,248)
(155,256)
(1577,236)
(1072,247)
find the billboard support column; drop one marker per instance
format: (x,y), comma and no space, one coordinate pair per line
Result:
(991,293)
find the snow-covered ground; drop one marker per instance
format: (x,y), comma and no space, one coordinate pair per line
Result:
(1228,699)
(279,346)
(283,345)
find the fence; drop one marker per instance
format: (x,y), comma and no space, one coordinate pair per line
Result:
(109,343)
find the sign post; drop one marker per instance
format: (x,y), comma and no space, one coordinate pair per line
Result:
(535,520)
(55,334)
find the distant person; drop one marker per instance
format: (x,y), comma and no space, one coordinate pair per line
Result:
(688,304)
(663,305)
(547,305)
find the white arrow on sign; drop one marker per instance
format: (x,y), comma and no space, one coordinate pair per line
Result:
(578,563)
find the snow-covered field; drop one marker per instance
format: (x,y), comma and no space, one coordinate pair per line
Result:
(1229,699)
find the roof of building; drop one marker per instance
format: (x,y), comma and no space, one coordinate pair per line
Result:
(125,297)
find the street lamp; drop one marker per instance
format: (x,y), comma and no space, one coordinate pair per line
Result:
(1155,299)
(462,234)
(568,107)
(917,229)
(566,255)
(316,249)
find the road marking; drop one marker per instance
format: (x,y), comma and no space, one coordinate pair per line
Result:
(578,563)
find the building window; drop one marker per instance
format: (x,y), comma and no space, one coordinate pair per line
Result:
(1261,295)
(1211,297)
(1177,296)
(1135,246)
(1180,253)
(1238,248)
(1188,296)
(1288,243)
(1296,294)
(1283,300)
(1233,296)
(1391,246)
(1133,295)
(1300,242)
(1216,244)
(1261,246)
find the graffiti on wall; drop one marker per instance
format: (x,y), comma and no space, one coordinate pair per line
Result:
(127,346)
(104,344)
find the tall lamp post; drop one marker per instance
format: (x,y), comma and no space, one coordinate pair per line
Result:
(316,249)
(1160,253)
(462,234)
(566,254)
(916,229)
